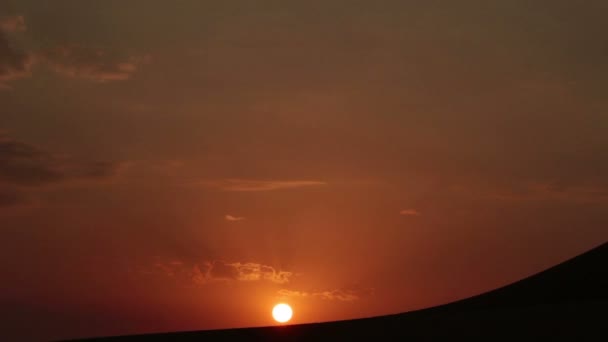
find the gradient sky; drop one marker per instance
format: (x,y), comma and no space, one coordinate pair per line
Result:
(188,164)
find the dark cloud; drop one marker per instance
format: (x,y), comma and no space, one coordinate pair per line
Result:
(14,64)
(9,197)
(94,64)
(15,23)
(220,271)
(543,191)
(25,164)
(74,61)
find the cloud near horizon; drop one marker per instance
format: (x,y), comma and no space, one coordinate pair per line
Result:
(221,271)
(344,295)
(213,271)
(250,271)
(259,185)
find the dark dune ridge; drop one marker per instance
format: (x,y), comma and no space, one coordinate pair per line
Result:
(569,300)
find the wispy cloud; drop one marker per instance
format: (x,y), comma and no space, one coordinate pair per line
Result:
(409,212)
(214,271)
(14,64)
(221,271)
(22,164)
(94,64)
(25,168)
(344,295)
(233,218)
(249,271)
(15,23)
(74,61)
(549,191)
(258,185)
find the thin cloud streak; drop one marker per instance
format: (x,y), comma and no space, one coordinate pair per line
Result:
(22,164)
(233,218)
(547,191)
(343,295)
(409,212)
(244,185)
(94,64)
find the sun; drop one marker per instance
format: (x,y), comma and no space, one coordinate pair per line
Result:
(282,313)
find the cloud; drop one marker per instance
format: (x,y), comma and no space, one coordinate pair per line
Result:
(233,218)
(14,23)
(214,271)
(249,271)
(74,61)
(259,185)
(23,164)
(14,64)
(9,197)
(409,212)
(344,295)
(94,64)
(551,191)
(221,271)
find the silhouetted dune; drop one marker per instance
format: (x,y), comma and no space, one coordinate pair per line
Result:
(569,300)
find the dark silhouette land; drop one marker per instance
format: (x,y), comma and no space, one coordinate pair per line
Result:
(568,301)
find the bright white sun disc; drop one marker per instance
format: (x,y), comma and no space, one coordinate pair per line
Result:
(282,313)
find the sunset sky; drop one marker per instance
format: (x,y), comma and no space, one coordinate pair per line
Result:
(182,165)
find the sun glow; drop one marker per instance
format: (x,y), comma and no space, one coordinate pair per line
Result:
(282,313)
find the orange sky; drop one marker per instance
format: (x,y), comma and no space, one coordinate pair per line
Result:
(188,165)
